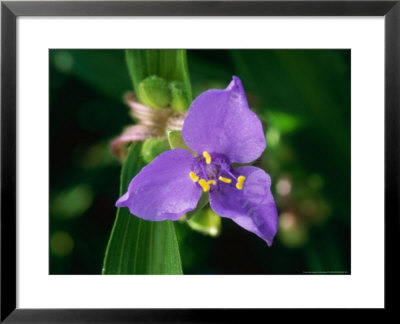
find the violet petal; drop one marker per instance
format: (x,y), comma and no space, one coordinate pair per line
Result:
(253,207)
(220,121)
(163,189)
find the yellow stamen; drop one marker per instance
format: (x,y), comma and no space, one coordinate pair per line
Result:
(213,182)
(240,181)
(226,180)
(204,184)
(193,176)
(207,157)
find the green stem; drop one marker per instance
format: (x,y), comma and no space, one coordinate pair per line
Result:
(137,246)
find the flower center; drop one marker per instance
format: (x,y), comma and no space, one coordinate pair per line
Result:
(212,167)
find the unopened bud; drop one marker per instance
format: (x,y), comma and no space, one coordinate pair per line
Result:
(179,100)
(154,92)
(152,147)
(206,222)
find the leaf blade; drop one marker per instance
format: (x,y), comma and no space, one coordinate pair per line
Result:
(137,246)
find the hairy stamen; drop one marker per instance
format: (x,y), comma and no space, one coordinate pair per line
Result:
(226,170)
(203,170)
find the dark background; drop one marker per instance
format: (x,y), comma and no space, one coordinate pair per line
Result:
(303,98)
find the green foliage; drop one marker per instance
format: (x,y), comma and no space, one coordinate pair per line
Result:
(284,122)
(102,70)
(170,65)
(72,202)
(137,246)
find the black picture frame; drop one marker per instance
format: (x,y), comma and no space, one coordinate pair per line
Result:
(10,10)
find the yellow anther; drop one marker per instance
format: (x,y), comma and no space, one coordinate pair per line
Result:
(240,181)
(226,180)
(204,184)
(213,182)
(193,176)
(207,157)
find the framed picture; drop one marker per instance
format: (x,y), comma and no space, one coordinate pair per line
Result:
(185,156)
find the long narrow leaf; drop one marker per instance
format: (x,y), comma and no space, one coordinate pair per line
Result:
(137,246)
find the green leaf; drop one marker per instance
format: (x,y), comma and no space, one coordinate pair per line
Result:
(88,66)
(170,65)
(176,141)
(137,246)
(284,122)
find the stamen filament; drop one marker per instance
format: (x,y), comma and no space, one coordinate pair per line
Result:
(228,172)
(193,176)
(226,180)
(240,181)
(204,171)
(207,157)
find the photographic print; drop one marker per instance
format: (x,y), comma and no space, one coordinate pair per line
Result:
(206,162)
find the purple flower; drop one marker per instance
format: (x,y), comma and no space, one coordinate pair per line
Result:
(221,129)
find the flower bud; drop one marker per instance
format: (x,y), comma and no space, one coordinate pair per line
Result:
(152,147)
(154,92)
(206,222)
(179,100)
(175,140)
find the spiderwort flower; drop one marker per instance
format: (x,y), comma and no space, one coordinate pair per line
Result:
(221,129)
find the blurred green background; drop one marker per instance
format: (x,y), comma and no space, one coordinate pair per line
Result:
(303,99)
